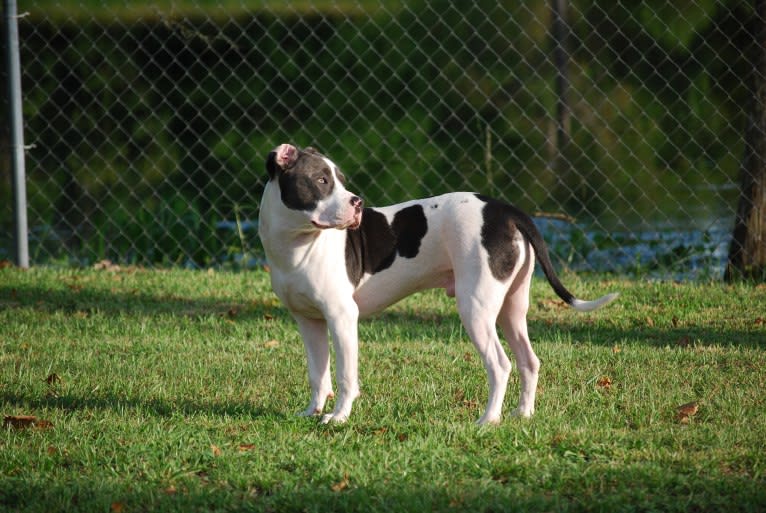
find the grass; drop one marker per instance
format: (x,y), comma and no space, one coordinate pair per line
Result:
(176,391)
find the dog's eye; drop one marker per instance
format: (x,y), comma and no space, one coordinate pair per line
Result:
(322,180)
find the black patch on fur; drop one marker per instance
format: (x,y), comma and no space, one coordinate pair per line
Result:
(409,226)
(374,246)
(500,220)
(306,182)
(497,232)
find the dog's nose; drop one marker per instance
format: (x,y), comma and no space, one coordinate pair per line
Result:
(356,202)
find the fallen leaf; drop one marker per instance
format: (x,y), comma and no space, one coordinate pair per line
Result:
(43,424)
(246,447)
(216,450)
(650,322)
(340,485)
(548,304)
(170,490)
(604,382)
(470,404)
(271,344)
(616,349)
(117,507)
(687,411)
(25,422)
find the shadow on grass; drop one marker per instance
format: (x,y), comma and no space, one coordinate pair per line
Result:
(578,326)
(133,302)
(629,487)
(158,407)
(581,331)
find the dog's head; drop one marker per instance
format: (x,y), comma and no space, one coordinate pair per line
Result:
(311,183)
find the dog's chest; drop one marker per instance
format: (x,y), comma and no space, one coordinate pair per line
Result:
(299,293)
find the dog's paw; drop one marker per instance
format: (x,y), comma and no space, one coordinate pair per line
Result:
(333,418)
(488,421)
(524,414)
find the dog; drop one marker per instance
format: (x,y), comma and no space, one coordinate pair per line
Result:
(333,261)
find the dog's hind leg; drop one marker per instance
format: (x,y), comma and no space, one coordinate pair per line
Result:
(513,321)
(314,334)
(478,305)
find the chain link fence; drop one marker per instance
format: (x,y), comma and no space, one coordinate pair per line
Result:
(618,124)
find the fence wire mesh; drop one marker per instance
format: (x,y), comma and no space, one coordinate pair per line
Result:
(619,124)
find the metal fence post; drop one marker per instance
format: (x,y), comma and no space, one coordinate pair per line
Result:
(16,127)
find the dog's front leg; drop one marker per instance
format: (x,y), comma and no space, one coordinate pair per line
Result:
(314,333)
(342,322)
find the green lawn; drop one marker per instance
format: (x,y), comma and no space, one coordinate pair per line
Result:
(176,391)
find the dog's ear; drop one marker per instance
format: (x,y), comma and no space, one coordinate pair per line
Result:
(271,164)
(281,158)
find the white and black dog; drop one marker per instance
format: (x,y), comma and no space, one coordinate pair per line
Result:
(333,261)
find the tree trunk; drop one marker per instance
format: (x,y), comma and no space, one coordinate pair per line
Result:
(560,33)
(747,253)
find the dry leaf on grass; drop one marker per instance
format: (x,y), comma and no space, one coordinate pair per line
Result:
(549,304)
(604,382)
(215,450)
(25,422)
(686,411)
(246,447)
(340,485)
(271,344)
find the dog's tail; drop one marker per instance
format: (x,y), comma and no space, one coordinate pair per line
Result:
(535,238)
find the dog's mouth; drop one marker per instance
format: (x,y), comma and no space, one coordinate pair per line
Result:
(351,224)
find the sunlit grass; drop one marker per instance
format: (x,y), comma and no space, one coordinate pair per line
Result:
(176,391)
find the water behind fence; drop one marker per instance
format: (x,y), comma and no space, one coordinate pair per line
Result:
(620,124)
